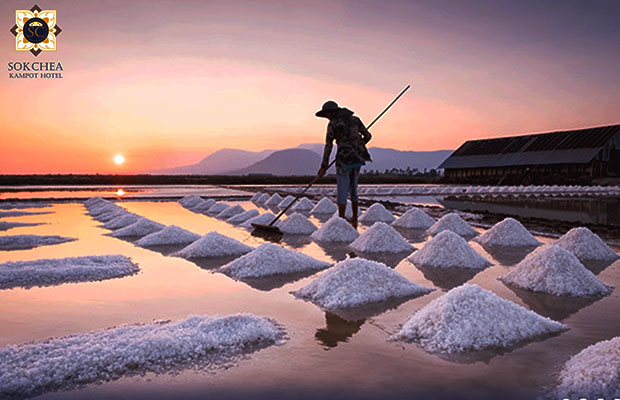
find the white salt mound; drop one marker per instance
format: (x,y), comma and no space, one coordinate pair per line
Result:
(381,238)
(190,201)
(170,235)
(122,221)
(263,219)
(471,318)
(375,213)
(217,208)
(213,244)
(356,282)
(335,230)
(594,373)
(414,218)
(551,269)
(263,198)
(304,204)
(297,224)
(452,222)
(586,245)
(274,200)
(204,206)
(142,227)
(67,362)
(256,196)
(508,233)
(5,226)
(244,216)
(230,211)
(448,250)
(325,206)
(269,259)
(92,201)
(55,271)
(286,201)
(111,215)
(104,209)
(23,242)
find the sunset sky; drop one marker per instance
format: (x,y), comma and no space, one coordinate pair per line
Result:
(165,83)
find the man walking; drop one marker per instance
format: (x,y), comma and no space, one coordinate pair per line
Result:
(351,137)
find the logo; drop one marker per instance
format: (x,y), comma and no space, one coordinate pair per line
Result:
(35,30)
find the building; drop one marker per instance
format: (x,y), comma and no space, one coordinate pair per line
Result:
(577,155)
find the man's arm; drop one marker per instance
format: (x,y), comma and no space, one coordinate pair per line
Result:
(327,150)
(366,136)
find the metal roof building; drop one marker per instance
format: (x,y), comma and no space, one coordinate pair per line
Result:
(590,152)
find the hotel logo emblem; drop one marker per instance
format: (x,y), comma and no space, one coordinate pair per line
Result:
(35,30)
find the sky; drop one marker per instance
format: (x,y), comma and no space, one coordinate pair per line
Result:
(164,83)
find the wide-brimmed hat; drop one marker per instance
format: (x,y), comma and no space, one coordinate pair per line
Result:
(328,107)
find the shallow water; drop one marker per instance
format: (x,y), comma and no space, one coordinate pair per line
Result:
(326,355)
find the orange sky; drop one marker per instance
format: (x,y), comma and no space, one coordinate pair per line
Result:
(165,83)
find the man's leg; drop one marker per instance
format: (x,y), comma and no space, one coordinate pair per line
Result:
(354,176)
(342,183)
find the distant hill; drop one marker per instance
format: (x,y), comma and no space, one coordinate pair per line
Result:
(220,162)
(284,162)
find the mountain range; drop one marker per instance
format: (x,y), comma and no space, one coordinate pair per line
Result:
(301,160)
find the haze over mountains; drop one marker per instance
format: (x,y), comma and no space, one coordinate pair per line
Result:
(302,160)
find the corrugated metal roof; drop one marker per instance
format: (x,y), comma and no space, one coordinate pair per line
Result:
(562,147)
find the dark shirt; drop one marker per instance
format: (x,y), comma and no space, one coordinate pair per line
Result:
(351,137)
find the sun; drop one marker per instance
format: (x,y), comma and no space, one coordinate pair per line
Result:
(119,159)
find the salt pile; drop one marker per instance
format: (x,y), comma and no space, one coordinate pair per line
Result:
(553,270)
(27,274)
(452,222)
(213,244)
(256,196)
(297,224)
(67,362)
(230,211)
(170,235)
(4,214)
(190,201)
(471,318)
(508,233)
(335,230)
(244,216)
(375,213)
(122,221)
(586,245)
(263,219)
(104,209)
(5,226)
(142,227)
(111,215)
(269,259)
(286,201)
(414,218)
(355,282)
(381,238)
(217,208)
(274,200)
(24,242)
(303,205)
(204,206)
(93,201)
(594,373)
(263,198)
(448,250)
(325,206)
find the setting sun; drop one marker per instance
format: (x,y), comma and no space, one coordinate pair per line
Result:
(119,159)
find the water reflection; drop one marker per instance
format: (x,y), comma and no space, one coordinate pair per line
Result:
(596,267)
(296,241)
(337,330)
(212,263)
(448,278)
(412,235)
(322,217)
(269,283)
(389,259)
(506,255)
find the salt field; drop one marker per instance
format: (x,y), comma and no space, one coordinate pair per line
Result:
(186,303)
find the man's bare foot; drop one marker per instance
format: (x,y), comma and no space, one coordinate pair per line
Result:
(353,222)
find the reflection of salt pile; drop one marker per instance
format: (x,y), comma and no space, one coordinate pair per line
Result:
(231,211)
(142,227)
(297,224)
(122,221)
(336,229)
(448,250)
(213,244)
(269,259)
(242,217)
(256,196)
(263,219)
(381,238)
(508,233)
(274,200)
(586,245)
(471,318)
(23,242)
(325,206)
(594,373)
(303,205)
(355,282)
(414,218)
(159,347)
(217,208)
(286,201)
(452,222)
(375,213)
(168,236)
(64,270)
(553,270)
(190,201)
(204,206)
(263,198)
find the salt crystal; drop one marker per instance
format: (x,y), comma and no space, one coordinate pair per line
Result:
(448,250)
(297,224)
(336,229)
(325,206)
(122,221)
(263,198)
(262,219)
(141,227)
(508,233)
(414,218)
(170,235)
(274,200)
(230,211)
(286,201)
(256,196)
(586,245)
(304,204)
(213,244)
(381,238)
(190,201)
(454,223)
(217,208)
(203,206)
(244,216)
(376,212)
